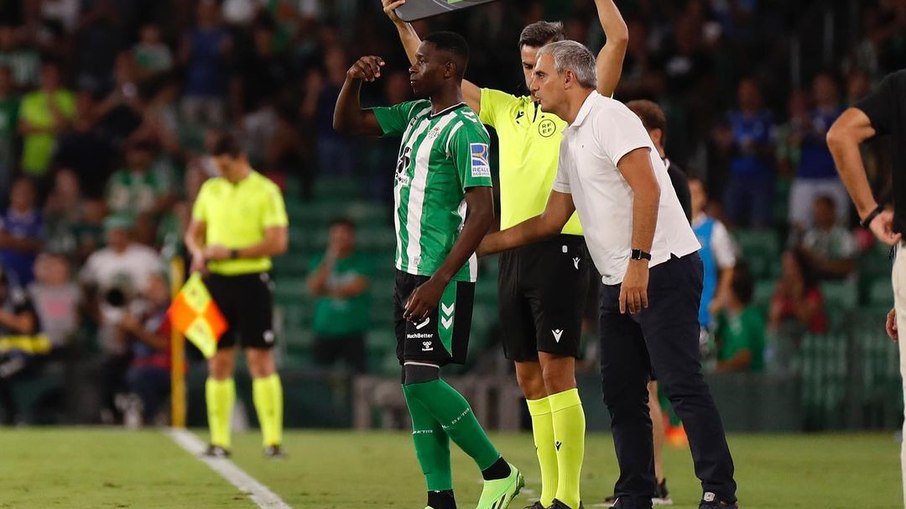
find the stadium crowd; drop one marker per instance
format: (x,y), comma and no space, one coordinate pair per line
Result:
(105,106)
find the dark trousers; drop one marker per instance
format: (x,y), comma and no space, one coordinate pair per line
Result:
(327,350)
(663,336)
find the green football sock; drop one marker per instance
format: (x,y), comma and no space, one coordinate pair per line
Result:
(543,433)
(569,435)
(267,393)
(220,395)
(432,446)
(454,414)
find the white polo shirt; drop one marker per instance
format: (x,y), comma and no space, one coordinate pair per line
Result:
(604,131)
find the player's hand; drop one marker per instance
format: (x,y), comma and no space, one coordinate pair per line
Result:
(634,290)
(882,227)
(216,252)
(390,7)
(424,300)
(366,68)
(891,325)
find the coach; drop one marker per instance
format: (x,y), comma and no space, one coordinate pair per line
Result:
(612,175)
(881,113)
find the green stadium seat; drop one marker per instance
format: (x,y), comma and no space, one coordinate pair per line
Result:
(881,293)
(839,295)
(761,250)
(764,290)
(337,189)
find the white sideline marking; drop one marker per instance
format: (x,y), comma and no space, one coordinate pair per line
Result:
(260,494)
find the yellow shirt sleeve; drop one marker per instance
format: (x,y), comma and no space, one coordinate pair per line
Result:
(493,103)
(199,209)
(275,209)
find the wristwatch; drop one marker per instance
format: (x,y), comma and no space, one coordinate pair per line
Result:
(638,254)
(866,223)
(234,253)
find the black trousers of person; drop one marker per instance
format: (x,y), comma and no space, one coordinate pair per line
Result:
(663,337)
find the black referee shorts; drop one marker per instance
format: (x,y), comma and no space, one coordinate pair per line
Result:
(441,338)
(247,303)
(542,290)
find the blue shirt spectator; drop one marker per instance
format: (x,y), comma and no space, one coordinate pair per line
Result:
(21,232)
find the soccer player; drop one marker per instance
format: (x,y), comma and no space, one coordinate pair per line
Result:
(541,287)
(610,173)
(444,207)
(238,223)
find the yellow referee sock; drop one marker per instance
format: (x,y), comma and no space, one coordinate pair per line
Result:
(543,433)
(220,396)
(569,439)
(267,394)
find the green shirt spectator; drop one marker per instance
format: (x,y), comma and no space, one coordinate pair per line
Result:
(338,314)
(740,328)
(742,334)
(144,186)
(339,282)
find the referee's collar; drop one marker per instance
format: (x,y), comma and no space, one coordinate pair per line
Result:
(585,109)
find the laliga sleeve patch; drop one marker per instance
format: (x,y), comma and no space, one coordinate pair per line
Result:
(480,166)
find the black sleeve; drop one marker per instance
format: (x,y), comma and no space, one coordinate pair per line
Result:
(681,186)
(879,106)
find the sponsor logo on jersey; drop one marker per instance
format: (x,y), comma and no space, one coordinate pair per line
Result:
(558,333)
(480,166)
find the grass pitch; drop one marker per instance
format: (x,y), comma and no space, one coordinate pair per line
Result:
(108,468)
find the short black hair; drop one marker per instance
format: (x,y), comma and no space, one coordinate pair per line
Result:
(454,44)
(827,200)
(742,283)
(541,33)
(343,221)
(225,144)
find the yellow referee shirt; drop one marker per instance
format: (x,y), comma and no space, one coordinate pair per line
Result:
(529,153)
(236,216)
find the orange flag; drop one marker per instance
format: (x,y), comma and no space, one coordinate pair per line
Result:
(195,314)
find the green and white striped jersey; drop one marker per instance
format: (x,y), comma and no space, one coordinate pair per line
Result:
(440,157)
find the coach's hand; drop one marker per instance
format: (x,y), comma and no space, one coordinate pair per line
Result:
(390,7)
(882,227)
(634,290)
(891,325)
(366,68)
(424,300)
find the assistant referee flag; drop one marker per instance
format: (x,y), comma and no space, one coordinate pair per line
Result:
(195,314)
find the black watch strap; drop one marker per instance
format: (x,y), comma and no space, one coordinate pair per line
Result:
(866,223)
(638,254)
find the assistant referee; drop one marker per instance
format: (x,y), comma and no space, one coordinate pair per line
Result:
(238,223)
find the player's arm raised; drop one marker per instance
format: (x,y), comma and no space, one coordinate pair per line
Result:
(479,216)
(348,117)
(559,209)
(609,63)
(411,41)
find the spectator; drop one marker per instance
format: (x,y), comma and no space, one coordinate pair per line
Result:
(148,335)
(749,140)
(113,279)
(144,186)
(87,148)
(89,231)
(22,358)
(152,57)
(828,249)
(339,281)
(22,60)
(797,299)
(336,153)
(789,135)
(9,114)
(21,233)
(43,116)
(56,298)
(115,275)
(718,257)
(99,37)
(63,209)
(740,329)
(205,53)
(816,173)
